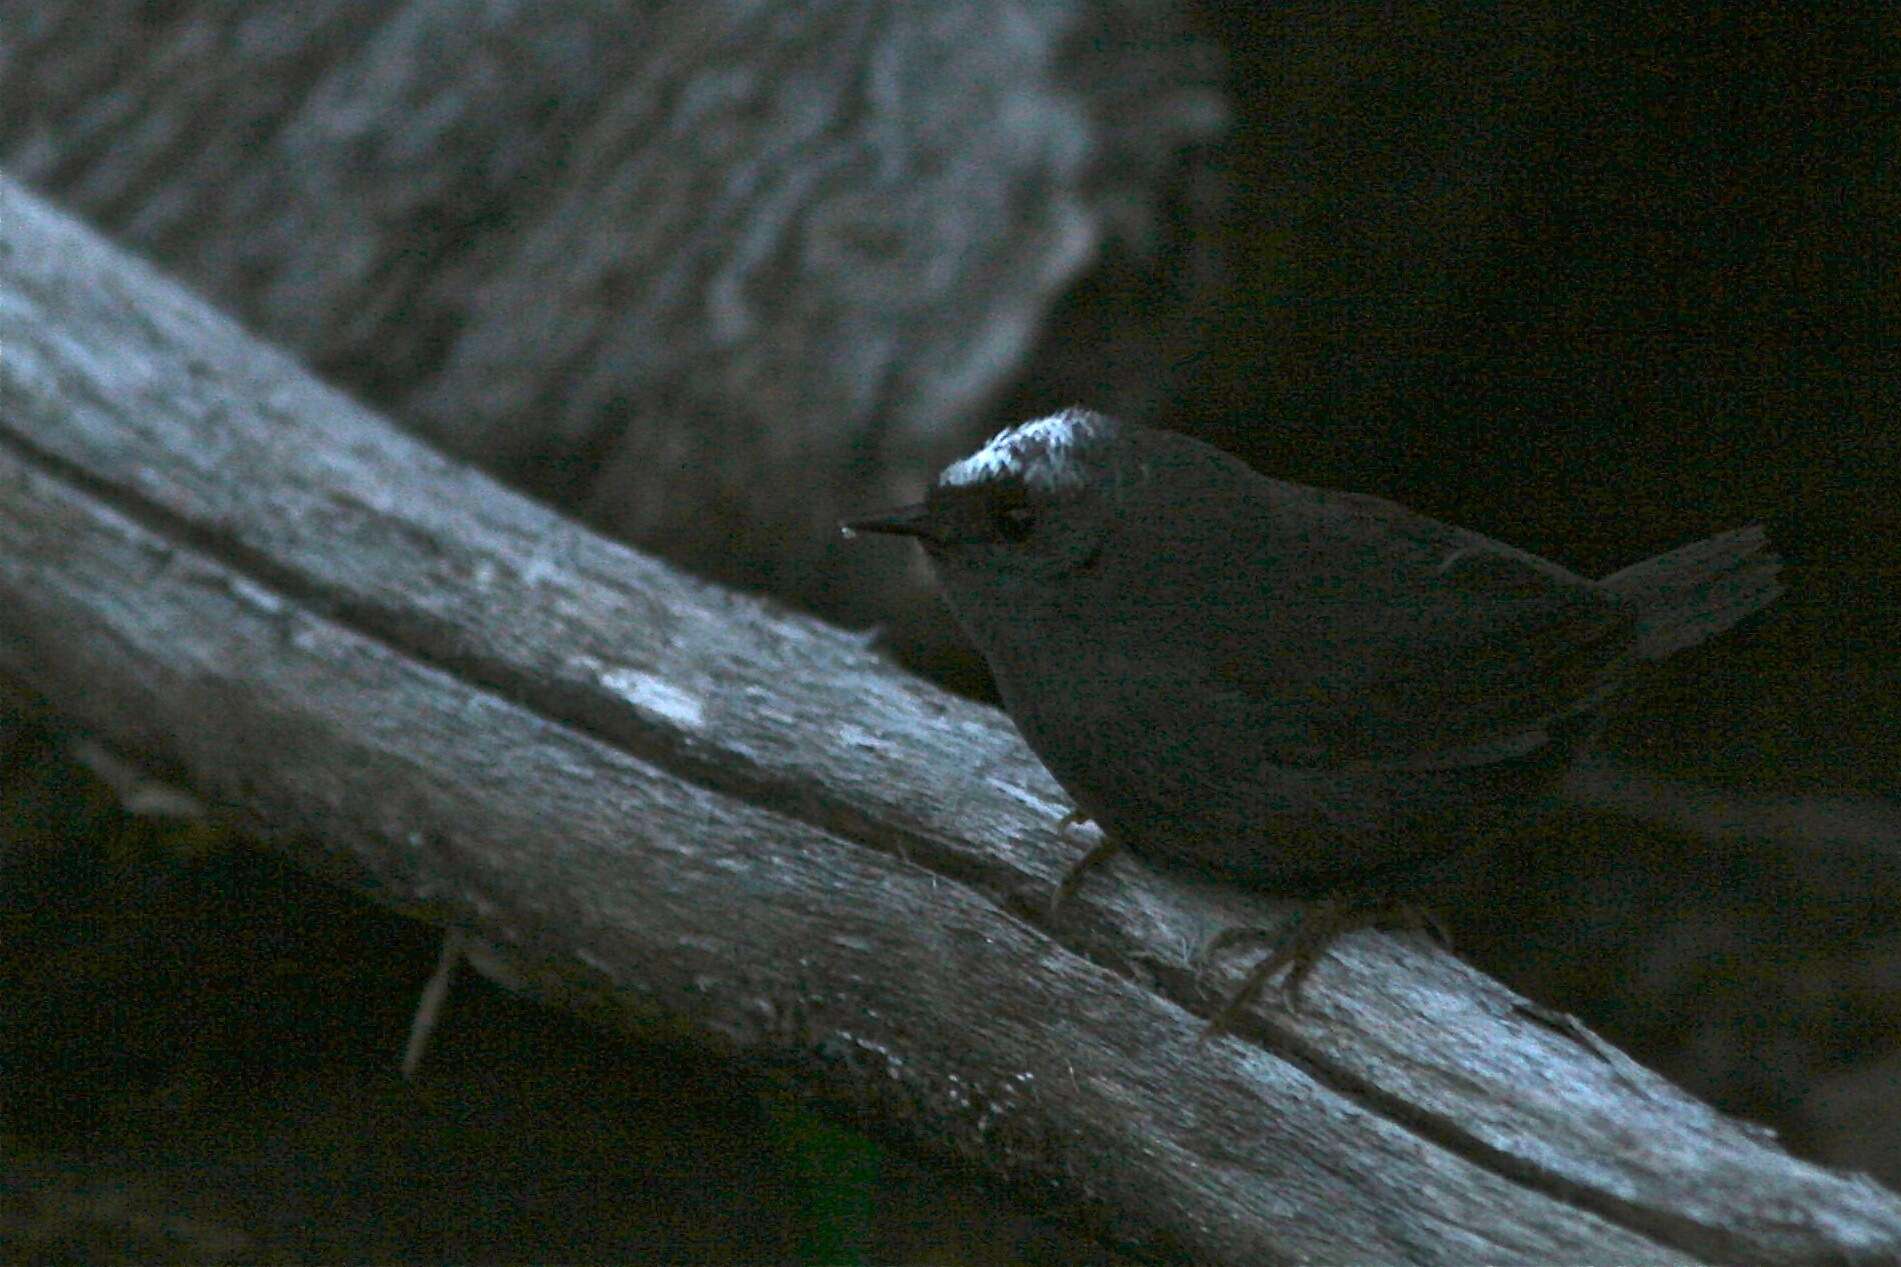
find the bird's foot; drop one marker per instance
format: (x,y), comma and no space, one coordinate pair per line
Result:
(1099,853)
(1302,941)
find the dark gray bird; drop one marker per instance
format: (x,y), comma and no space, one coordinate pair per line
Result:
(1310,693)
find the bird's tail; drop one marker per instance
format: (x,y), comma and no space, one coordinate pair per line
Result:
(1699,590)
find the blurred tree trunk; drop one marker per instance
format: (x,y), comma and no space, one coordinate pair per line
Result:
(706,272)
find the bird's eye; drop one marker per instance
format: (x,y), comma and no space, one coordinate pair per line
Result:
(1013,523)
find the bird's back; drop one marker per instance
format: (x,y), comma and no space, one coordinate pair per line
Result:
(1308,686)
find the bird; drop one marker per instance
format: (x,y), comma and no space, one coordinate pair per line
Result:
(1311,694)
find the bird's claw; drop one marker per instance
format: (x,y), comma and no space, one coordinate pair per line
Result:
(1302,941)
(1072,879)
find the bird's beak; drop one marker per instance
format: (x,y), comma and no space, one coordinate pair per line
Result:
(905,521)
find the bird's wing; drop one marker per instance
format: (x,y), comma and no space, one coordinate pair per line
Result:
(1392,639)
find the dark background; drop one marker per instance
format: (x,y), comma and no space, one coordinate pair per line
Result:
(1594,280)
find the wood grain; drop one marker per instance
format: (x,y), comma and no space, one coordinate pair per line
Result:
(666,799)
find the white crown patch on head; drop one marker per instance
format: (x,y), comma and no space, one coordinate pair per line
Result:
(1043,454)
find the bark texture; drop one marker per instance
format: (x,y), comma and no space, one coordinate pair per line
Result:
(705,272)
(660,798)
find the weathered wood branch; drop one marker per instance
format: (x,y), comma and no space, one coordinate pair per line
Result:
(666,798)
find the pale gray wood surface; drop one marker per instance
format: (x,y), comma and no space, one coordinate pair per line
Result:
(668,799)
(704,270)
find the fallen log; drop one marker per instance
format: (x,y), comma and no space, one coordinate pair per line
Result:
(660,798)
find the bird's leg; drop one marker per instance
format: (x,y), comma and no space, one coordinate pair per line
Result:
(1300,943)
(1099,853)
